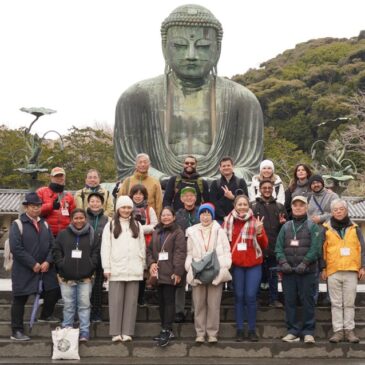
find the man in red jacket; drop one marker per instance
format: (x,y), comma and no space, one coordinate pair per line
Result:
(57,204)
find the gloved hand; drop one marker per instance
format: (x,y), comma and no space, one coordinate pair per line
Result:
(301,268)
(286,268)
(56,204)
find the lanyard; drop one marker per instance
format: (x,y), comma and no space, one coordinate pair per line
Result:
(295,231)
(77,242)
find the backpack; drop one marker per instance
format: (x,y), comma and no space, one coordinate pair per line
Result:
(8,256)
(199,182)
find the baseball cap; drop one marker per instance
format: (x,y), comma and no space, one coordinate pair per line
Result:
(300,198)
(57,171)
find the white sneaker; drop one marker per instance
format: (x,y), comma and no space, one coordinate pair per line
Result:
(309,339)
(117,338)
(126,338)
(290,338)
(200,339)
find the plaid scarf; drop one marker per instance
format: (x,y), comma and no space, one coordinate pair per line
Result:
(248,231)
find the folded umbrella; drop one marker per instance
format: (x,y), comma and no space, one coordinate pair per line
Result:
(36,303)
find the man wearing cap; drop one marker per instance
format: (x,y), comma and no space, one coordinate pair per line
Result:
(141,176)
(185,218)
(188,177)
(319,208)
(31,243)
(57,203)
(92,185)
(298,249)
(224,190)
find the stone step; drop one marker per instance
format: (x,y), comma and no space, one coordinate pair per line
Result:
(147,330)
(224,349)
(151,313)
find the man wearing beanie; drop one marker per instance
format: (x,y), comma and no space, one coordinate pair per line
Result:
(319,208)
(58,204)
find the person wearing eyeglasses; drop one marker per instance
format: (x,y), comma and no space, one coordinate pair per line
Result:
(189,177)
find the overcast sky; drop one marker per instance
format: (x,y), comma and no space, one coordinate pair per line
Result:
(78,56)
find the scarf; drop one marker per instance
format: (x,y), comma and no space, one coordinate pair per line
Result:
(139,212)
(57,188)
(86,229)
(340,225)
(248,231)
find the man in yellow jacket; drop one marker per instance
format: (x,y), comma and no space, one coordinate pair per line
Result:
(343,266)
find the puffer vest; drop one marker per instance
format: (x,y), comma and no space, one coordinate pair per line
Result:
(295,254)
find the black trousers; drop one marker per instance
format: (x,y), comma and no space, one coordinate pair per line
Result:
(17,307)
(167,305)
(97,293)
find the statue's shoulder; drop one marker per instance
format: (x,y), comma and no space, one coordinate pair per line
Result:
(149,85)
(235,89)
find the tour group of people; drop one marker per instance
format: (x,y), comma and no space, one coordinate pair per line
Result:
(247,233)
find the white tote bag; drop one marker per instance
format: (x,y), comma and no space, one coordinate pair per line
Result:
(65,343)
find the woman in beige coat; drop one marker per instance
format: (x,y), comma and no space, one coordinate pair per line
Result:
(203,238)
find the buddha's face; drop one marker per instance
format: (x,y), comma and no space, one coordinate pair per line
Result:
(192,52)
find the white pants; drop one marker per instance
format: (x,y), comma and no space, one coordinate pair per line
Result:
(342,290)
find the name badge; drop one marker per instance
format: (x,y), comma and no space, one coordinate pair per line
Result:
(345,251)
(65,212)
(294,243)
(163,256)
(76,254)
(242,246)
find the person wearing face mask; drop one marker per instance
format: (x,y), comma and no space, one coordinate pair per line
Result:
(123,258)
(165,259)
(189,177)
(248,239)
(58,204)
(97,219)
(298,249)
(267,173)
(203,238)
(92,185)
(76,255)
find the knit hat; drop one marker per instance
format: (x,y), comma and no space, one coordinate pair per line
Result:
(315,178)
(207,207)
(267,163)
(187,189)
(124,201)
(32,198)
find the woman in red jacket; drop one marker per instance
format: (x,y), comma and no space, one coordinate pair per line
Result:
(248,239)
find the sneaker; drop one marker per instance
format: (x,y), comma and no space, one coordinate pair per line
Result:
(240,336)
(276,304)
(337,337)
(83,339)
(290,338)
(199,339)
(157,338)
(252,336)
(212,339)
(164,339)
(117,338)
(309,339)
(126,338)
(19,336)
(351,337)
(50,319)
(180,317)
(95,318)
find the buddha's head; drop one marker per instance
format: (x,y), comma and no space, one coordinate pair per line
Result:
(191,41)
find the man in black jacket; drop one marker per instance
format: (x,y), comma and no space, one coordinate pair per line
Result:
(188,178)
(224,190)
(275,216)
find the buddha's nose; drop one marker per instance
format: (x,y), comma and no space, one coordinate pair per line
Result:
(191,54)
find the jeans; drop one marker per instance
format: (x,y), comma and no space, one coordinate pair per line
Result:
(246,282)
(302,285)
(76,295)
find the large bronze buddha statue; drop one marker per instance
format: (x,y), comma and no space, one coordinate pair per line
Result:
(189,110)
